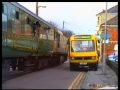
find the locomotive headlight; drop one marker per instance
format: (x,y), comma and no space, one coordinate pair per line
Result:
(72,58)
(93,57)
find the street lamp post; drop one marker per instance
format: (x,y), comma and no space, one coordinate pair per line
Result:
(104,56)
(37,7)
(63,25)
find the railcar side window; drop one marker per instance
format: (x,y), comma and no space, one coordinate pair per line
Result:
(4,22)
(98,41)
(2,8)
(17,15)
(28,20)
(4,17)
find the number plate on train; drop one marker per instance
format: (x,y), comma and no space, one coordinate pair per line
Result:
(83,63)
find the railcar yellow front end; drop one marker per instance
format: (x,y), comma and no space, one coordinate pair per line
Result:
(83,52)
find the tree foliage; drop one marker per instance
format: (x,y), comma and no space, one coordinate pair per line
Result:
(67,33)
(52,23)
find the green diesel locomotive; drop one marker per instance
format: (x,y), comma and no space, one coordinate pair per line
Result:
(28,41)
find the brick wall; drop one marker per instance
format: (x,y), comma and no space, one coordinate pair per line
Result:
(113,40)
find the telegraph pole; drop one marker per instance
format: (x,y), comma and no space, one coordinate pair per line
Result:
(63,25)
(104,56)
(37,8)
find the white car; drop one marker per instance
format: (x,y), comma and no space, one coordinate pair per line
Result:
(109,87)
(113,57)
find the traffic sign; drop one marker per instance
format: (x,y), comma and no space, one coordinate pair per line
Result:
(107,36)
(106,41)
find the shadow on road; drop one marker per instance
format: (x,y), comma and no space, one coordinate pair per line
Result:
(81,69)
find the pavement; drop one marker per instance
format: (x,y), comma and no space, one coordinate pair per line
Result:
(100,80)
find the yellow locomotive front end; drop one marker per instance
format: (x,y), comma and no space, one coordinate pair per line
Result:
(83,51)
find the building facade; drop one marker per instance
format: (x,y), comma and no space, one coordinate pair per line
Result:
(111,29)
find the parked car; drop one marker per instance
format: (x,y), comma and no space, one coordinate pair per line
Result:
(109,87)
(113,57)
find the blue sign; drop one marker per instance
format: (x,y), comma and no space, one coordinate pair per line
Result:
(107,36)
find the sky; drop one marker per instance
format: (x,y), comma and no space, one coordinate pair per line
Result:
(79,17)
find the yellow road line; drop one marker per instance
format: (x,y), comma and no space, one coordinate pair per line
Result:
(78,80)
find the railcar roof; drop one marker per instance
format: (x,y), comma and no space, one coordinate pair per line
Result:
(31,13)
(37,17)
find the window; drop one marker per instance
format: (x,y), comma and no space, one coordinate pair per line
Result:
(98,41)
(82,46)
(17,15)
(4,22)
(98,20)
(4,9)
(28,20)
(48,34)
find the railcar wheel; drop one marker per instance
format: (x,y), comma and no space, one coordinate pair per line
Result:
(20,64)
(71,67)
(95,67)
(46,63)
(13,64)
(39,65)
(61,59)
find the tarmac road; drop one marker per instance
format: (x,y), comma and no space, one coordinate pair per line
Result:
(59,77)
